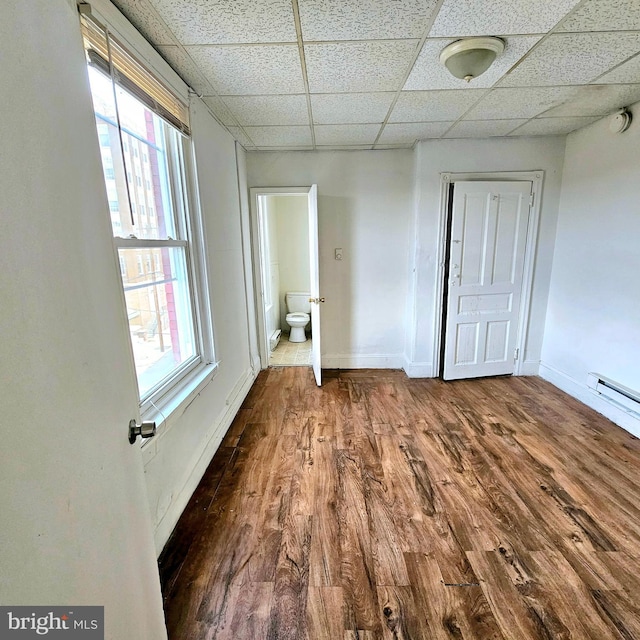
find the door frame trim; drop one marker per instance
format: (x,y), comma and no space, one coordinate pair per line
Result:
(446,179)
(256,253)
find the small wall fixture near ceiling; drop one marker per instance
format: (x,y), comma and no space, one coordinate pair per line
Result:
(470,57)
(620,121)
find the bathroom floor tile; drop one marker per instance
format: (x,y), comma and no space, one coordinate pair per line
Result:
(290,354)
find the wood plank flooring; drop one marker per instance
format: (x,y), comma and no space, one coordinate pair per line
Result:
(383,507)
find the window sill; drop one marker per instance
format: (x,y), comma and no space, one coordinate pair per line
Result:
(167,410)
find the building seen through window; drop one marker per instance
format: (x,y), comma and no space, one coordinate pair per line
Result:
(147,216)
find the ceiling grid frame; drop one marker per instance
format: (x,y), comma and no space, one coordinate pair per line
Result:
(497,84)
(423,39)
(347,119)
(303,65)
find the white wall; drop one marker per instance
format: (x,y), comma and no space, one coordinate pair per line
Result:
(365,208)
(466,156)
(178,456)
(75,523)
(175,460)
(593,318)
(293,248)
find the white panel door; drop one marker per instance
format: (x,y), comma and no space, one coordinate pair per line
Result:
(315,283)
(486,261)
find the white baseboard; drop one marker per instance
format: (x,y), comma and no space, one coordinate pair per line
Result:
(592,399)
(425,369)
(349,361)
(418,369)
(217,432)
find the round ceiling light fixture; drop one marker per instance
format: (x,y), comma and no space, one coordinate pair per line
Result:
(470,57)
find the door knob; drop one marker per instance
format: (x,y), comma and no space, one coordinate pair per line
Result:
(144,430)
(316,300)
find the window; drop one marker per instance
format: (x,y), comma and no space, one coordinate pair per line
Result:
(113,206)
(170,336)
(109,174)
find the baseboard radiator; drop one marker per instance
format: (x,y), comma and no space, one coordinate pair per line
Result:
(627,399)
(274,339)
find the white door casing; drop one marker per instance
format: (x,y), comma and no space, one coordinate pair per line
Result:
(257,193)
(487,249)
(314,271)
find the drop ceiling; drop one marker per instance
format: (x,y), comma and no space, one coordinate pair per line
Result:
(365,74)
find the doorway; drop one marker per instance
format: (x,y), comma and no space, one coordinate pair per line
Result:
(487,246)
(285,251)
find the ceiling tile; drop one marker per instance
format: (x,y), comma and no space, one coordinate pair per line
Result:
(408,133)
(491,17)
(245,70)
(224,22)
(345,108)
(628,71)
(365,19)
(551,126)
(269,110)
(428,106)
(147,21)
(526,102)
(358,66)
(279,136)
(597,100)
(221,111)
(483,128)
(243,58)
(573,58)
(186,69)
(604,15)
(346,133)
(429,73)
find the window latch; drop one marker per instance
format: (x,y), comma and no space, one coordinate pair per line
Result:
(144,430)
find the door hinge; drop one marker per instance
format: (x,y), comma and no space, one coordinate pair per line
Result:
(516,354)
(531,198)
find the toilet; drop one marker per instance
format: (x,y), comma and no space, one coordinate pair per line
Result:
(298,308)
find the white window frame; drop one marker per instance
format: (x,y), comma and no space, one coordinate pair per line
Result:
(176,391)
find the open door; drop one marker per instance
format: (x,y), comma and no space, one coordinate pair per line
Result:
(314,271)
(485,269)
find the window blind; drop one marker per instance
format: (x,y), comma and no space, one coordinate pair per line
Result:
(132,75)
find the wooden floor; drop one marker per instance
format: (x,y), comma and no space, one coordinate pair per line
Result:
(383,507)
